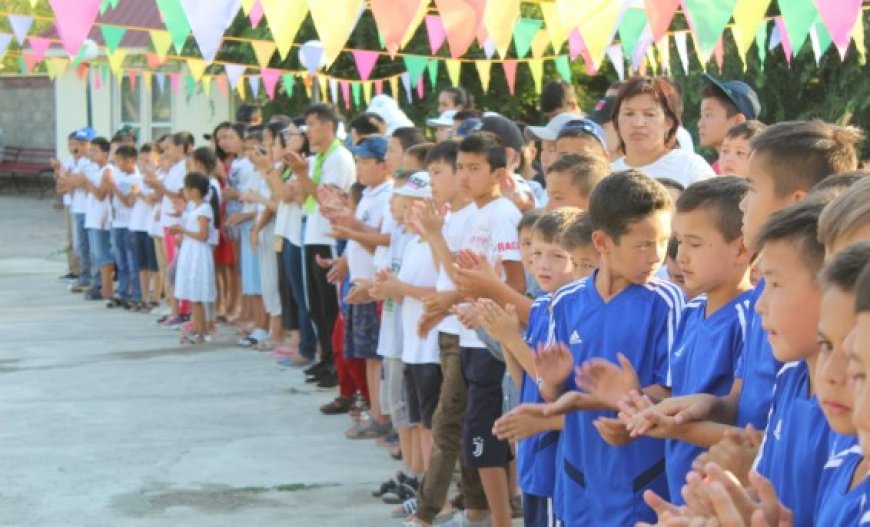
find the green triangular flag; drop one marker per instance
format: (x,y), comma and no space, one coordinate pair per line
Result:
(190,85)
(288,82)
(114,3)
(356,90)
(104,71)
(708,20)
(175,21)
(798,17)
(432,69)
(415,66)
(563,67)
(81,55)
(630,29)
(22,65)
(524,34)
(103,6)
(824,36)
(112,36)
(761,42)
(381,40)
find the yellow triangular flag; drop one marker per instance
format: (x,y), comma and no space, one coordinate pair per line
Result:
(664,48)
(241,87)
(500,18)
(367,91)
(308,90)
(651,60)
(394,87)
(263,49)
(161,40)
(55,67)
(206,85)
(453,70)
(595,20)
(116,60)
(196,67)
(483,70)
(247,5)
(33,4)
(415,22)
(146,79)
(323,85)
(334,21)
(540,43)
(858,36)
(555,27)
(537,68)
(284,18)
(747,15)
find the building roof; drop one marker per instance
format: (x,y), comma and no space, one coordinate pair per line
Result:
(141,15)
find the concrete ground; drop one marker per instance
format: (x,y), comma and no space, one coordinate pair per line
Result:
(106,421)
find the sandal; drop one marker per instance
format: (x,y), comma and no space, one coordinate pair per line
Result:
(189,339)
(265,345)
(407,508)
(405,492)
(387,486)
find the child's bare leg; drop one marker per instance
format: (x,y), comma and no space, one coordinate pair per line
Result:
(106,276)
(276,329)
(406,444)
(425,446)
(495,486)
(417,454)
(373,380)
(197,311)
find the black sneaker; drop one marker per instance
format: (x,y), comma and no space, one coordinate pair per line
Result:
(69,276)
(327,379)
(313,370)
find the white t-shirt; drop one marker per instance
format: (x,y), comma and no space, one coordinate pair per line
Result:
(79,203)
(492,232)
(680,165)
(122,214)
(418,269)
(69,165)
(371,211)
(288,220)
(339,171)
(98,214)
(390,335)
(154,219)
(174,182)
(142,214)
(454,233)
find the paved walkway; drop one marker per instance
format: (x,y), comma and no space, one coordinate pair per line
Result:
(106,421)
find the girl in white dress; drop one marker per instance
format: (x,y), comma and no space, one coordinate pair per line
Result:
(195,272)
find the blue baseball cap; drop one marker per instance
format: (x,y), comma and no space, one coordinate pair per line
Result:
(85,134)
(739,93)
(468,127)
(585,126)
(375,147)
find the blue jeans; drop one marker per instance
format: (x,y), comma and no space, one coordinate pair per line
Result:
(83,250)
(128,268)
(292,256)
(100,242)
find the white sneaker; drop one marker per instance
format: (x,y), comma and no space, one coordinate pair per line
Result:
(161,311)
(460,519)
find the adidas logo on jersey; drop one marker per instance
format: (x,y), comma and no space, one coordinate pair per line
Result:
(575,338)
(777,432)
(679,352)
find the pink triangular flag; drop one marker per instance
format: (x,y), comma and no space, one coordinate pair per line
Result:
(234,73)
(153,60)
(131,78)
(510,74)
(208,20)
(437,33)
(379,87)
(345,93)
(98,81)
(256,13)
(365,62)
(461,19)
(660,13)
(575,44)
(39,45)
(420,89)
(30,60)
(174,81)
(783,35)
(73,20)
(20,26)
(270,78)
(719,53)
(839,17)
(222,85)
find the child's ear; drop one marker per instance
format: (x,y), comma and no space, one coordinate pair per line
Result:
(602,242)
(744,255)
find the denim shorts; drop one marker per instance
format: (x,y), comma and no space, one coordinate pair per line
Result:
(100,242)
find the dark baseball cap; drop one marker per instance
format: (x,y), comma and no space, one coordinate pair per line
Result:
(506,130)
(584,126)
(375,146)
(603,109)
(739,93)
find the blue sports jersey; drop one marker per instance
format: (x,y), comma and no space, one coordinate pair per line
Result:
(536,455)
(599,484)
(796,443)
(705,356)
(837,504)
(757,368)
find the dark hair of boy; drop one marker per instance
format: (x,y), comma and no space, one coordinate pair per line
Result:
(275,128)
(746,129)
(367,123)
(797,225)
(183,139)
(843,270)
(862,291)
(551,226)
(460,97)
(200,182)
(281,119)
(671,184)
(408,136)
(118,138)
(102,143)
(833,186)
(420,152)
(673,248)
(444,152)
(528,219)
(72,135)
(799,154)
(324,112)
(712,92)
(462,115)
(578,233)
(356,192)
(585,170)
(254,133)
(401,176)
(146,148)
(205,157)
(247,113)
(720,196)
(846,212)
(126,152)
(487,144)
(623,198)
(554,95)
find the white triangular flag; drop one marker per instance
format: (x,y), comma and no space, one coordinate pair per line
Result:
(682,49)
(614,53)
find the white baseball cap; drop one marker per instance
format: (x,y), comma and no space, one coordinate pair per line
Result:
(417,186)
(551,131)
(445,119)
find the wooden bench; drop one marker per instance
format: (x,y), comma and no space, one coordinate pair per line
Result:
(22,165)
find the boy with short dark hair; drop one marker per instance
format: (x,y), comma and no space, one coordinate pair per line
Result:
(572,178)
(724,104)
(623,313)
(122,187)
(735,149)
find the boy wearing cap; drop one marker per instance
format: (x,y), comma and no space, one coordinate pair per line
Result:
(581,135)
(443,125)
(723,105)
(547,135)
(74,180)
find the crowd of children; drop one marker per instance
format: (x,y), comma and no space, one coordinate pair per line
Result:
(600,327)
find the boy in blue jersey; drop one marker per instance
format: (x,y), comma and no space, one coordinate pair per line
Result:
(709,340)
(858,344)
(538,436)
(619,313)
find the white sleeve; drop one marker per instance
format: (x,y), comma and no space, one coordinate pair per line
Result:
(339,170)
(505,239)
